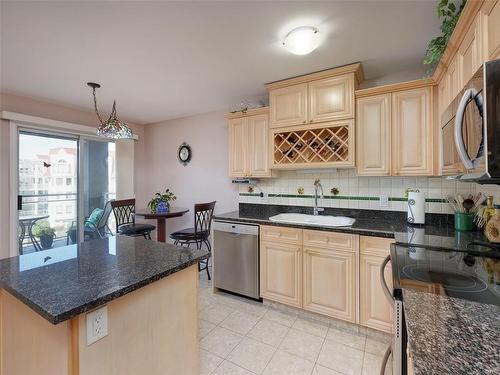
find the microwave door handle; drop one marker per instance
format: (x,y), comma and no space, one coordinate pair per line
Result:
(385,288)
(459,121)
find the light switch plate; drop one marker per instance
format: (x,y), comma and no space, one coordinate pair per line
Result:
(384,200)
(97,325)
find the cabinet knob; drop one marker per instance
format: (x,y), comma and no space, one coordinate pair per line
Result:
(304,121)
(311,120)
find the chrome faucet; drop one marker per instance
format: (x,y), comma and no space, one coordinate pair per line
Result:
(317,186)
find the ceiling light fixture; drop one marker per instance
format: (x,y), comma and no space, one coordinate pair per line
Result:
(113,127)
(302,40)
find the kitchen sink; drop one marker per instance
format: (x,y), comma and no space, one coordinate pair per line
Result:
(321,220)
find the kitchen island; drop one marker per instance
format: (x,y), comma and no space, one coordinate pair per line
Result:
(149,290)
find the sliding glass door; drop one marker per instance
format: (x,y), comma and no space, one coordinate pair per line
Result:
(47,190)
(65,184)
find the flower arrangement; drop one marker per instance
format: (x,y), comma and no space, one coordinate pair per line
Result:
(161,201)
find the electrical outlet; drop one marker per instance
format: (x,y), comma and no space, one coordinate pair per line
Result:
(384,200)
(97,325)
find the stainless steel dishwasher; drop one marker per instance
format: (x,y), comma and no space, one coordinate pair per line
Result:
(236,257)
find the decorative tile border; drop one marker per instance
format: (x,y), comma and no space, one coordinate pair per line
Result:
(342,197)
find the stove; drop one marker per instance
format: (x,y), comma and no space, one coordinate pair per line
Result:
(453,273)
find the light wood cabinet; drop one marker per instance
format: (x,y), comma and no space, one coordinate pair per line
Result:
(281,272)
(470,52)
(288,106)
(331,99)
(373,135)
(412,133)
(375,311)
(238,147)
(490,29)
(330,283)
(249,144)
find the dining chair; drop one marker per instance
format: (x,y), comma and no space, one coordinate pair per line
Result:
(198,234)
(124,211)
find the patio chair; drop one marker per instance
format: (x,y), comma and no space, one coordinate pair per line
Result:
(92,230)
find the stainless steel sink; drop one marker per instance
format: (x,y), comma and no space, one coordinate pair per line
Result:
(321,220)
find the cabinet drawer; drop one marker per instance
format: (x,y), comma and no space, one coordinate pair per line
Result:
(281,234)
(376,246)
(330,240)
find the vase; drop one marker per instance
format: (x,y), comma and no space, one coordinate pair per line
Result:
(162,207)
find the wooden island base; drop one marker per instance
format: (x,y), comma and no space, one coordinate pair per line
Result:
(152,330)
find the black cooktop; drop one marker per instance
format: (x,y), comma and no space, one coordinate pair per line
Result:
(456,274)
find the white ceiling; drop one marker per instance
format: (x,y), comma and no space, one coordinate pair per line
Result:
(163,60)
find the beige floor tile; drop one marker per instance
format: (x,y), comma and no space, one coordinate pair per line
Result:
(228,368)
(215,313)
(252,355)
(268,332)
(373,363)
(204,301)
(204,328)
(321,370)
(376,347)
(255,308)
(284,363)
(302,344)
(341,358)
(283,318)
(220,341)
(240,322)
(354,340)
(208,362)
(316,328)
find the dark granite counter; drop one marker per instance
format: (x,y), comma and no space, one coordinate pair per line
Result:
(64,282)
(438,232)
(451,336)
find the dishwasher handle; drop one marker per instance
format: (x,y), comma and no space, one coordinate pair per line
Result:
(385,288)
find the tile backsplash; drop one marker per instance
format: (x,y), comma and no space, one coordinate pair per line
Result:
(359,192)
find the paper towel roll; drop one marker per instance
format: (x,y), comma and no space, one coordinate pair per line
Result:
(416,207)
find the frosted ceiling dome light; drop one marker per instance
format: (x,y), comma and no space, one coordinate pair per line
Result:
(302,40)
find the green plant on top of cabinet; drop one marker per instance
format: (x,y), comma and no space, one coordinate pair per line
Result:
(249,144)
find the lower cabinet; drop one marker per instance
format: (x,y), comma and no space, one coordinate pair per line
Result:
(375,311)
(330,282)
(329,273)
(281,272)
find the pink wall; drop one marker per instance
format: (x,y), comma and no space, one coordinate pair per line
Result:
(204,179)
(33,107)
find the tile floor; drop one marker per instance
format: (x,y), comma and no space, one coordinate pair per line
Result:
(242,337)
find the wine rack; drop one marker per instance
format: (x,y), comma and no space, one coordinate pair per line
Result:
(328,145)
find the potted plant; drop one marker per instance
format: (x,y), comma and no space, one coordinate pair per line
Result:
(161,202)
(45,233)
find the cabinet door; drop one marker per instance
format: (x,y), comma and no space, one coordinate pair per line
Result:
(454,77)
(470,52)
(238,147)
(375,311)
(281,273)
(258,156)
(330,282)
(412,136)
(490,29)
(373,135)
(331,99)
(288,106)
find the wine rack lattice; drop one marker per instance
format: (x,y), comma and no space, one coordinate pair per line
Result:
(322,145)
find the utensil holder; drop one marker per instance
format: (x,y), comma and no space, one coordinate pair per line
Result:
(464,221)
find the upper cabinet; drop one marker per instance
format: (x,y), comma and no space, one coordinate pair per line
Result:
(373,132)
(394,130)
(331,99)
(314,98)
(412,133)
(249,144)
(288,105)
(490,28)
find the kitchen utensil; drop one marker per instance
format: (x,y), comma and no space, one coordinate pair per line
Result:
(468,204)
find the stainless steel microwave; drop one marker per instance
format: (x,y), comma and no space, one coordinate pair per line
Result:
(470,129)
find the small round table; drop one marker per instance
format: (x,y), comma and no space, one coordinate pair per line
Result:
(160,218)
(26,224)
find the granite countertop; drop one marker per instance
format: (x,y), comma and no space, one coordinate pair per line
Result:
(438,232)
(64,282)
(451,336)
